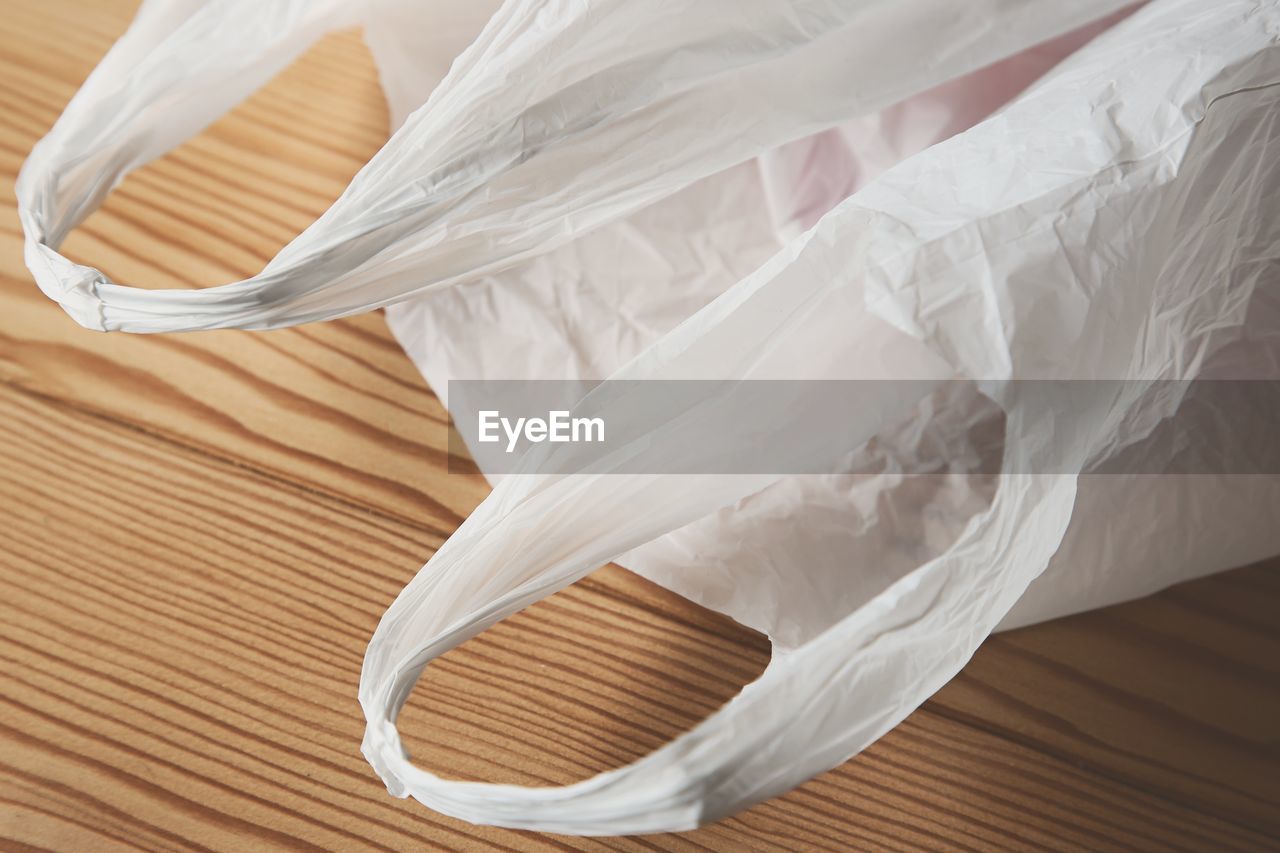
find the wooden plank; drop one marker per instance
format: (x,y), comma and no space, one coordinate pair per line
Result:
(182,637)
(1178,693)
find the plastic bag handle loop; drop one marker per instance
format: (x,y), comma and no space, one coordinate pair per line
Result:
(136,106)
(886,656)
(519,135)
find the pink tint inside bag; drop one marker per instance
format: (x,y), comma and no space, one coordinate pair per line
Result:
(802,180)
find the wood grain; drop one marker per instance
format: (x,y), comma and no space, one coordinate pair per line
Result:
(198,534)
(335,407)
(182,640)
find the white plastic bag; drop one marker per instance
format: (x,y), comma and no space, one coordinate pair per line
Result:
(1110,223)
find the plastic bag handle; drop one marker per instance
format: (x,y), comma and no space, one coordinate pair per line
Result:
(520,135)
(866,673)
(659,795)
(664,791)
(137,105)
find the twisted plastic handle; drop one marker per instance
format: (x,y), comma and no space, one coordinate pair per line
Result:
(542,130)
(809,711)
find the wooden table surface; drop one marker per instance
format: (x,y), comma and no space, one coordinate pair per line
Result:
(198,534)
